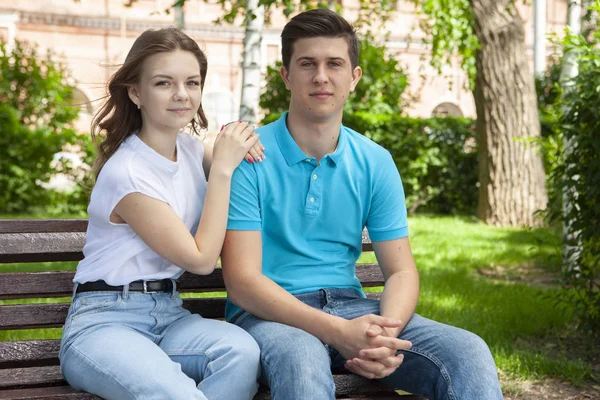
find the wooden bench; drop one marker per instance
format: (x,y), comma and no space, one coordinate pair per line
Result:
(29,368)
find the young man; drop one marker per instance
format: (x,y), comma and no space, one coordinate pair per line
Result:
(294,235)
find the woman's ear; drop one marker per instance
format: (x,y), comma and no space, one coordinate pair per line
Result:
(133,95)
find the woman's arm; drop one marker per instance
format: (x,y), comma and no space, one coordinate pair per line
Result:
(164,232)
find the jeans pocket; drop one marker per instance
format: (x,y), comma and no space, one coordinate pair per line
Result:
(94,302)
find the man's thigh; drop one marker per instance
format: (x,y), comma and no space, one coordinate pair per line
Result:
(295,364)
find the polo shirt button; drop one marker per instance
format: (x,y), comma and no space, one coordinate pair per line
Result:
(315,176)
(307,160)
(312,199)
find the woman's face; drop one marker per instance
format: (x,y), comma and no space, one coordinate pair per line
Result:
(168,92)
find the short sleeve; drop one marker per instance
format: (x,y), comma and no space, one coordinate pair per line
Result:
(119,178)
(387,214)
(244,205)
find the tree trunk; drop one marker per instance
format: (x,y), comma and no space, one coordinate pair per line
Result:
(255,20)
(511,173)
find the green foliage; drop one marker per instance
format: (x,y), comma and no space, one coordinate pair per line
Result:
(379,91)
(448,25)
(367,8)
(275,98)
(550,104)
(38,88)
(578,177)
(36,119)
(436,157)
(382,84)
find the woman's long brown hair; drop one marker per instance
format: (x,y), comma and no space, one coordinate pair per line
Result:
(119,117)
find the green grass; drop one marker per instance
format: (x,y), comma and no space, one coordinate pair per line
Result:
(513,317)
(449,251)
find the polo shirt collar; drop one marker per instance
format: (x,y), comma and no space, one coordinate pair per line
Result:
(293,154)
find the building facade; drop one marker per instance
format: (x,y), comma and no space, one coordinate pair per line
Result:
(94,37)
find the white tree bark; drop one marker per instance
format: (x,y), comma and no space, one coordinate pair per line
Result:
(570,70)
(251,65)
(539,44)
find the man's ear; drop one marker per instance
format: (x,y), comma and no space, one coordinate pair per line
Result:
(133,95)
(285,76)
(356,75)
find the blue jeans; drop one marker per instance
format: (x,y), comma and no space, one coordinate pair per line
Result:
(131,345)
(444,362)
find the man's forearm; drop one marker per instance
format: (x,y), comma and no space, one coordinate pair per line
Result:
(265,299)
(400,297)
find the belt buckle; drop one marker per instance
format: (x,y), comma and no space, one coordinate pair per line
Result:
(145,288)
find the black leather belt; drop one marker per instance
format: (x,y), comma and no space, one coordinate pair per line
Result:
(165,285)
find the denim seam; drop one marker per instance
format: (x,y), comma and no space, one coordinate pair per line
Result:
(439,364)
(189,353)
(96,366)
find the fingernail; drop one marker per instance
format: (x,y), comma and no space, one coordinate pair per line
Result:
(251,161)
(222,126)
(264,157)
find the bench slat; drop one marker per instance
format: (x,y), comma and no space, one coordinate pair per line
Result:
(37,284)
(15,378)
(28,316)
(20,378)
(29,353)
(47,393)
(26,240)
(65,392)
(42,225)
(37,247)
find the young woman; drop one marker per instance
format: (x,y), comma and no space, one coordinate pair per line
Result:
(126,335)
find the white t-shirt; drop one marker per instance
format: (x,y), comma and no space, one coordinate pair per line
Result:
(114,252)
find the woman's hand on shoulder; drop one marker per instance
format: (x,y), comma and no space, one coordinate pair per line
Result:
(231,145)
(256,153)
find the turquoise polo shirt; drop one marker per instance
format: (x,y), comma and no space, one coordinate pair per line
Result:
(311,216)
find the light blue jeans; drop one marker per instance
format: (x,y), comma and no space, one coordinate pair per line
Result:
(131,345)
(444,362)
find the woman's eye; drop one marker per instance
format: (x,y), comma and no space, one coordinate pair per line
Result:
(194,83)
(161,83)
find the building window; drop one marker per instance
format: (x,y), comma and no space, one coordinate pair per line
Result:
(446,110)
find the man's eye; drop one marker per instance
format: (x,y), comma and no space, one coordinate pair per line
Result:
(307,64)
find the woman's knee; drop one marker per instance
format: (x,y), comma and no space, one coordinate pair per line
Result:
(245,347)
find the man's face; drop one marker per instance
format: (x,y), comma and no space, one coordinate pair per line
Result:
(320,77)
